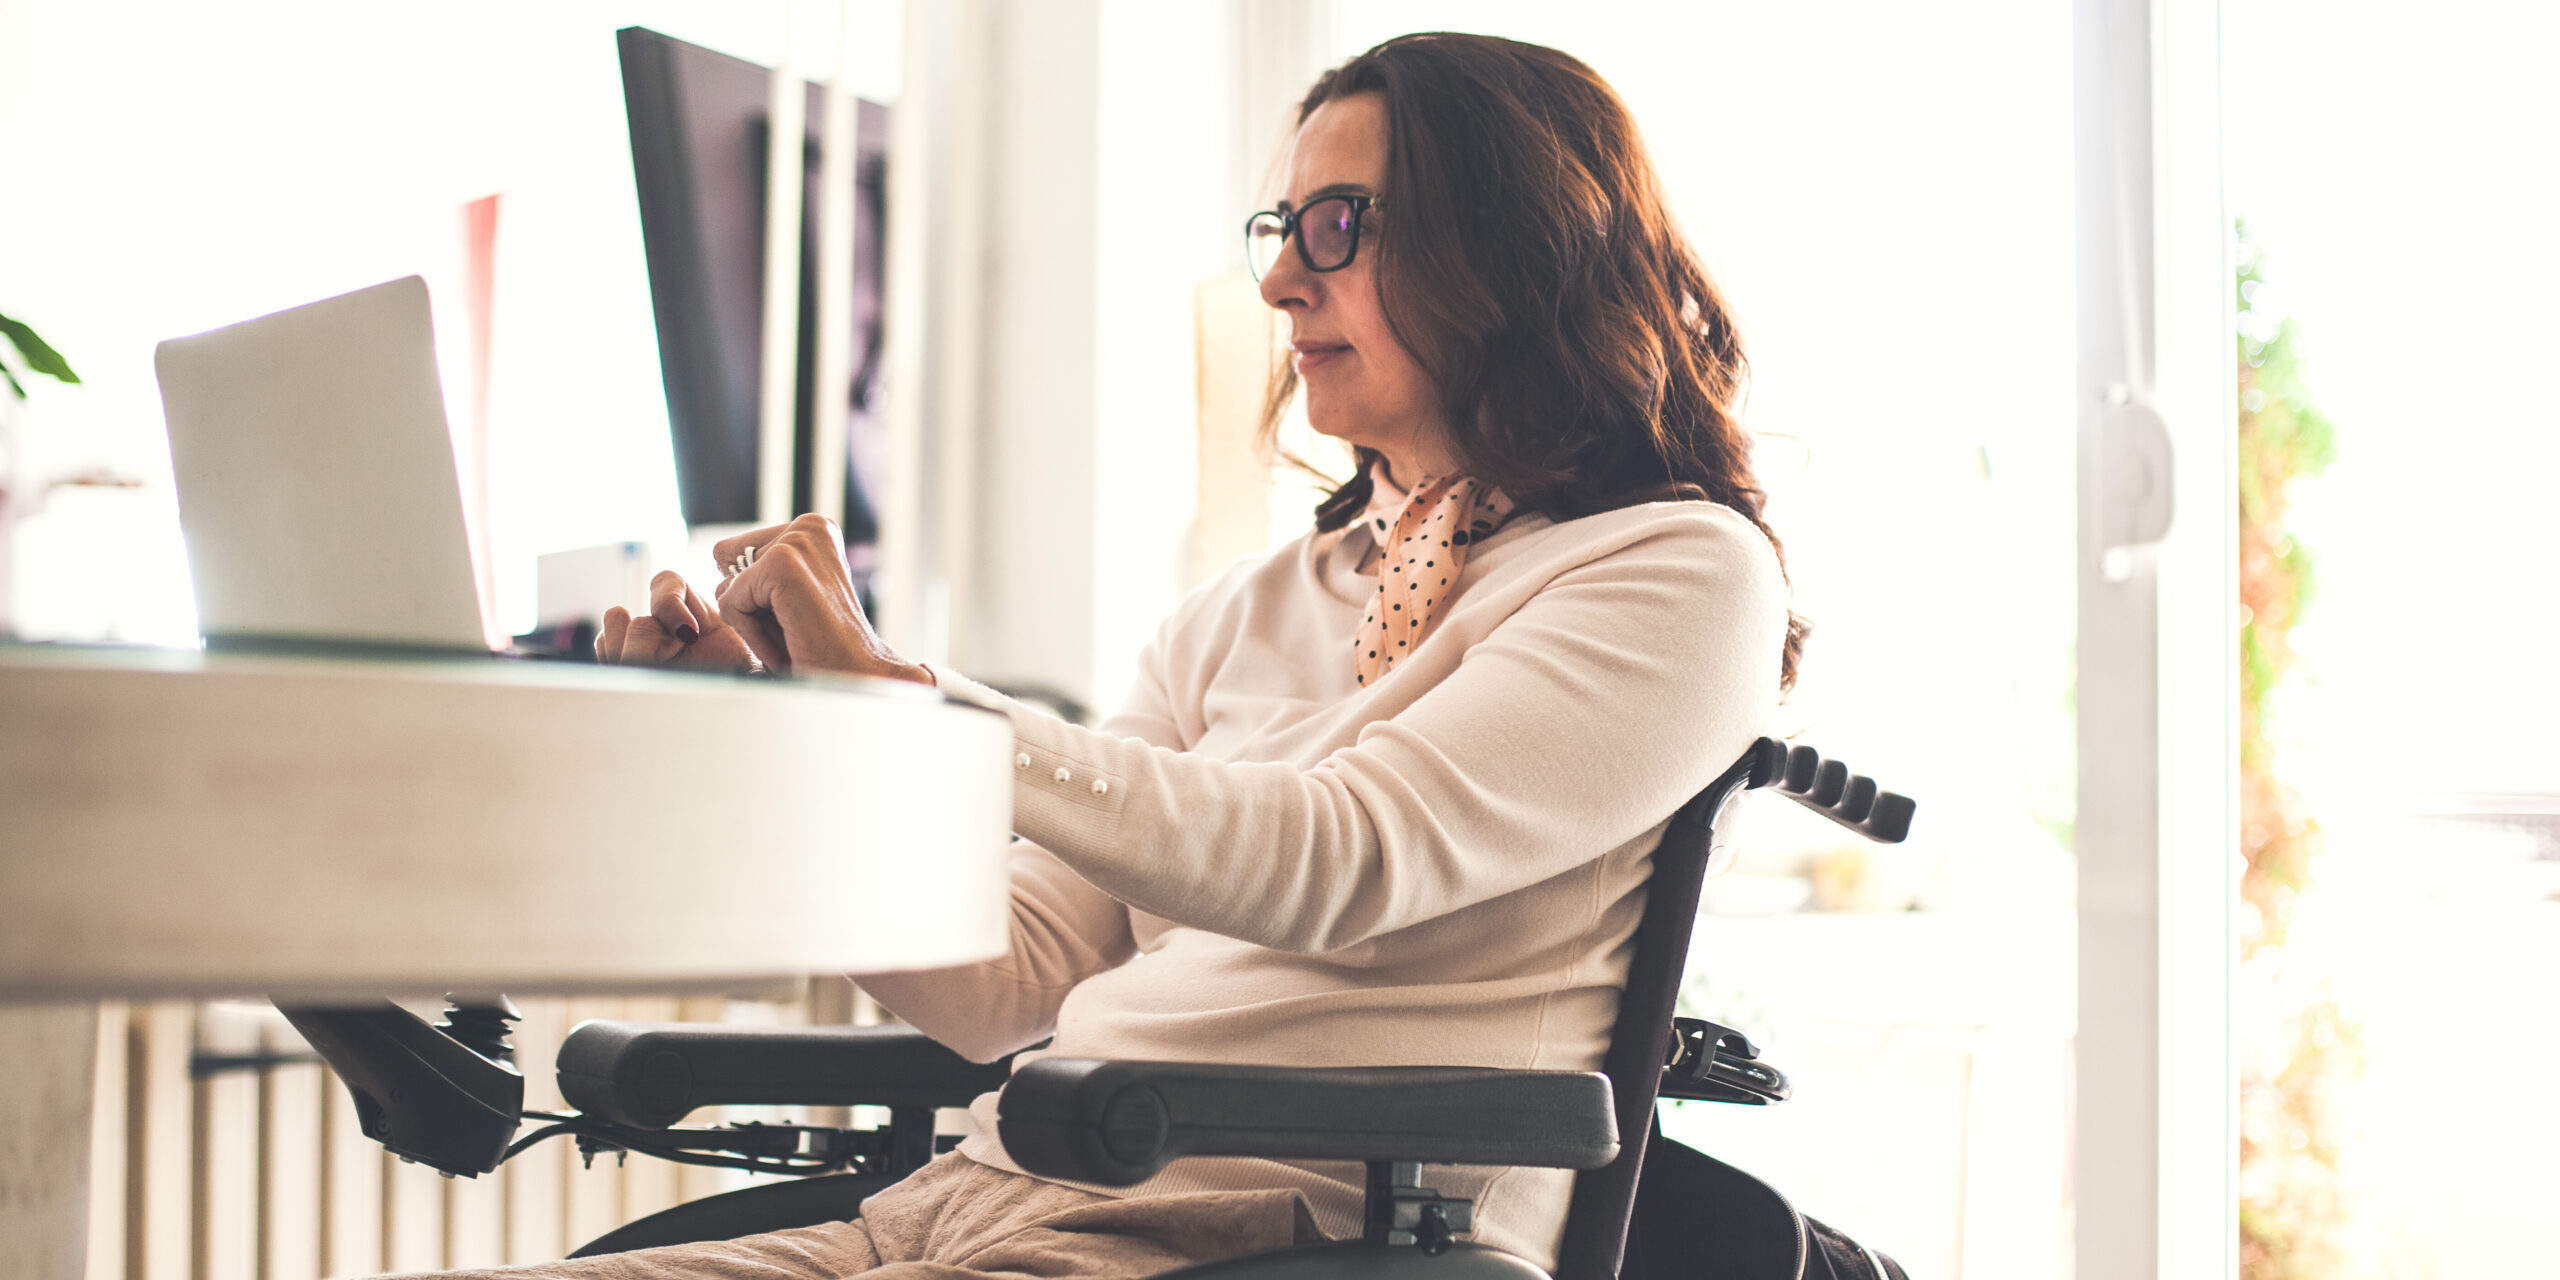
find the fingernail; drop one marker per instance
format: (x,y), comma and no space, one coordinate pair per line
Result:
(686,633)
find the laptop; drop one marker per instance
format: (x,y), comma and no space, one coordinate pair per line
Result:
(316,480)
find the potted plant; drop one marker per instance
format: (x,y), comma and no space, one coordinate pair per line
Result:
(35,356)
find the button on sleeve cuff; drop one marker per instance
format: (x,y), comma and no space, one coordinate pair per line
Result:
(1066,796)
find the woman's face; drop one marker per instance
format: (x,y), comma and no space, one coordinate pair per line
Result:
(1362,386)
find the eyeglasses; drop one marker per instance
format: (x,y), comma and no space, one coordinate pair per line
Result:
(1327,231)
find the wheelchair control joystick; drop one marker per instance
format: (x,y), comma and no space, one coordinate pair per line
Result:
(482,1024)
(447,1096)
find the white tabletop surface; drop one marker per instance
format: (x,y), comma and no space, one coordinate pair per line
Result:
(180,823)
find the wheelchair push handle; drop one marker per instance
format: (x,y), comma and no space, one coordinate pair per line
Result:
(1829,788)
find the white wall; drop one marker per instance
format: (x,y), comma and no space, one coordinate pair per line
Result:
(1062,371)
(1170,219)
(1026,608)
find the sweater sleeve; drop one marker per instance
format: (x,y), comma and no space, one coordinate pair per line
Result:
(1063,931)
(1603,701)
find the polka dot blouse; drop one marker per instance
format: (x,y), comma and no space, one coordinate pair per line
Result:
(1420,549)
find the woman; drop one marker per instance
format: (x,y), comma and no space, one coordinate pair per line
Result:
(1387,795)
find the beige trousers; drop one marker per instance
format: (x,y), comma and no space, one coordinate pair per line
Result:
(956,1219)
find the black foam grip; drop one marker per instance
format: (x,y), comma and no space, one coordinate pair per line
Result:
(650,1074)
(1858,801)
(1802,763)
(1829,782)
(1118,1123)
(1828,787)
(1769,762)
(1891,821)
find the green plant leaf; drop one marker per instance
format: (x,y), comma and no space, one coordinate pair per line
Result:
(40,355)
(13,381)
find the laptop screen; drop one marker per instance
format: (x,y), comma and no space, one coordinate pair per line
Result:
(316,481)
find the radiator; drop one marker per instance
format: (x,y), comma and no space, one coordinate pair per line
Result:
(217,1154)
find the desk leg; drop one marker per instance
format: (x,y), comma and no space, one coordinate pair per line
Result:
(48,1061)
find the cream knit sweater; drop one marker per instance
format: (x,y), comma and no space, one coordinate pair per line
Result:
(1259,861)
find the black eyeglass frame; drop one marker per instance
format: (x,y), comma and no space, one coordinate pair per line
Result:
(1360,207)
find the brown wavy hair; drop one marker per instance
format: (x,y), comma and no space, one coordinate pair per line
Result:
(1528,260)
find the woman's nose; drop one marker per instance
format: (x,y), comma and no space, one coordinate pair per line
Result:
(1288,282)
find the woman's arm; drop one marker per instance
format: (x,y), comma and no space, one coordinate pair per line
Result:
(792,583)
(1609,697)
(1064,931)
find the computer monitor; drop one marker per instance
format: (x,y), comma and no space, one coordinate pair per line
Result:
(699,129)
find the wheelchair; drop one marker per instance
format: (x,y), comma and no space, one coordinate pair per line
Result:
(1643,1208)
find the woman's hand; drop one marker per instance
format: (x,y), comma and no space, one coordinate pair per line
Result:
(793,603)
(679,630)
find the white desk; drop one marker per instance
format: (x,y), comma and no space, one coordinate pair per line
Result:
(176,824)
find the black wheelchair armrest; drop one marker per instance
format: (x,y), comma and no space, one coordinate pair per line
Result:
(650,1074)
(1118,1123)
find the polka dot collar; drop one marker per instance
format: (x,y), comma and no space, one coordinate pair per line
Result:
(1421,547)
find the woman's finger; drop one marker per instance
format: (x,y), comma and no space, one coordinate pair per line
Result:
(668,594)
(646,644)
(666,648)
(758,630)
(709,616)
(617,626)
(719,647)
(734,554)
(746,607)
(725,552)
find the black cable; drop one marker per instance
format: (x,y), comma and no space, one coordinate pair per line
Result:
(622,1139)
(795,1164)
(751,1164)
(548,1131)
